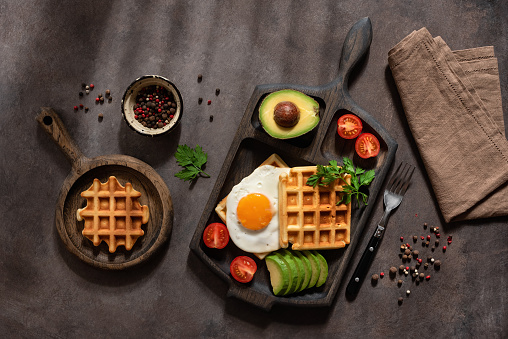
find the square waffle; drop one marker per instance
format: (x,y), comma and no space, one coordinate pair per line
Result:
(309,216)
(113,214)
(274,160)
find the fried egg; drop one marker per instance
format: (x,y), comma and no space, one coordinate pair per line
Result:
(252,216)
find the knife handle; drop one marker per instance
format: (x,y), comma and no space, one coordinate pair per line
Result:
(363,265)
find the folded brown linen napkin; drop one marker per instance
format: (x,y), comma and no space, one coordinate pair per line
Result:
(452,101)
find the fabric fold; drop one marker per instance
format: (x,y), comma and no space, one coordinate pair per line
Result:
(452,102)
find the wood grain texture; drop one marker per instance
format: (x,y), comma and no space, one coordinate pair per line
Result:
(155,194)
(252,145)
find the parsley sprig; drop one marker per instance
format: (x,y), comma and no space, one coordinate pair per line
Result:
(326,175)
(192,161)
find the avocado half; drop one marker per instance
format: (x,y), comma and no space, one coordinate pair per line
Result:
(308,114)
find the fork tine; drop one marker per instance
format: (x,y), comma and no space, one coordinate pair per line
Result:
(407,180)
(394,176)
(399,181)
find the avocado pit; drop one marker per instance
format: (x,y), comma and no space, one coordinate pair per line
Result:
(286,114)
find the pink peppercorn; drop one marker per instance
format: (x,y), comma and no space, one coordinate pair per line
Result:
(171,116)
(422,237)
(401,238)
(92,86)
(75,108)
(382,274)
(444,248)
(438,235)
(209,102)
(428,237)
(427,277)
(97,99)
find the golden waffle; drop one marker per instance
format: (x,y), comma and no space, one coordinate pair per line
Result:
(273,160)
(309,217)
(113,214)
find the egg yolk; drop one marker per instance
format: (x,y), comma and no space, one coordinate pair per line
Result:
(254,211)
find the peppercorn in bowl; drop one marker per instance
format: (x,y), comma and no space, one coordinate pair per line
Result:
(152,105)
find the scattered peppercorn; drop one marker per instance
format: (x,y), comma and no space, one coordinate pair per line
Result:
(217,91)
(407,252)
(399,282)
(408,292)
(101,100)
(200,100)
(75,108)
(416,253)
(400,300)
(200,77)
(375,277)
(444,248)
(382,274)
(401,268)
(427,277)
(401,238)
(421,275)
(209,102)
(101,116)
(86,109)
(81,106)
(393,270)
(87,91)
(425,225)
(87,87)
(426,265)
(83,85)
(80,94)
(404,257)
(415,238)
(108,92)
(437,264)
(91,86)
(211,118)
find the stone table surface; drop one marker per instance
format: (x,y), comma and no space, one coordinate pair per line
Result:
(48,48)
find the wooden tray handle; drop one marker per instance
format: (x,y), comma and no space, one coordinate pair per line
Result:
(356,44)
(54,127)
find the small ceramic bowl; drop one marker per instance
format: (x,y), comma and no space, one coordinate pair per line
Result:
(129,101)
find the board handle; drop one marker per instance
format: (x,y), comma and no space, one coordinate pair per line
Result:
(356,44)
(54,127)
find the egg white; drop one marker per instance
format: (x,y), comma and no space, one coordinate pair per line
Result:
(264,180)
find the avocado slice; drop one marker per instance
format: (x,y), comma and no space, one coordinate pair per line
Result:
(315,266)
(307,270)
(277,114)
(292,269)
(324,269)
(280,276)
(295,271)
(301,270)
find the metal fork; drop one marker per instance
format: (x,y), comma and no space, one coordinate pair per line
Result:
(394,192)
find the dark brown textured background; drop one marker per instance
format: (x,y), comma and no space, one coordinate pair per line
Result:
(48,48)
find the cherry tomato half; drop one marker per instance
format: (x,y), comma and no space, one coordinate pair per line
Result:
(349,126)
(243,268)
(216,235)
(367,146)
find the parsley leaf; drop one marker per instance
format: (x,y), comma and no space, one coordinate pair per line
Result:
(326,175)
(192,161)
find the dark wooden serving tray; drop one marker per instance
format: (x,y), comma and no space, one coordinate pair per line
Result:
(252,145)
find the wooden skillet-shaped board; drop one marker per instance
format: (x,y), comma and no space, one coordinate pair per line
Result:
(154,193)
(252,145)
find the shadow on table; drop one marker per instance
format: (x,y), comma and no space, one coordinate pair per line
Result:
(113,278)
